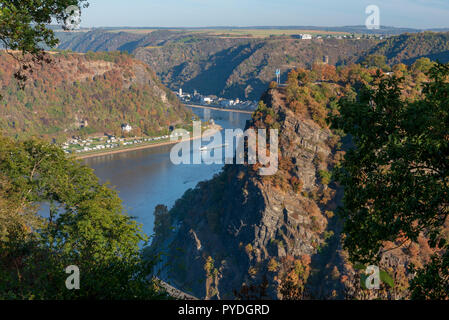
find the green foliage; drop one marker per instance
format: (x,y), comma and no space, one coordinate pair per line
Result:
(23,27)
(86,227)
(396,176)
(265,116)
(162,220)
(376,61)
(422,65)
(432,281)
(326,176)
(409,47)
(386,278)
(24,23)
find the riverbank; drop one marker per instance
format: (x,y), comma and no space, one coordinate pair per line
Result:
(219,109)
(214,128)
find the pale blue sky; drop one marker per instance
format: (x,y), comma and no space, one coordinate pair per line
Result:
(201,13)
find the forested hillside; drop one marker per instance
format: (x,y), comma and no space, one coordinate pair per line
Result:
(243,66)
(244,69)
(79,94)
(409,47)
(225,66)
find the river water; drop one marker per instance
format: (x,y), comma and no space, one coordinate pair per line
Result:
(146,178)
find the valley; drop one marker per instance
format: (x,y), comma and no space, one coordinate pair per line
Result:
(322,175)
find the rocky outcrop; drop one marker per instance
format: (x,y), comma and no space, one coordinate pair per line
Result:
(242,235)
(240,230)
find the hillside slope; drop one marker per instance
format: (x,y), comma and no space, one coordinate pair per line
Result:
(407,48)
(225,66)
(242,235)
(242,67)
(78,94)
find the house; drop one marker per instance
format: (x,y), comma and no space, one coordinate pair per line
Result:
(305,36)
(126,127)
(206,100)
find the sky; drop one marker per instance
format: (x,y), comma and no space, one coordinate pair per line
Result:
(204,13)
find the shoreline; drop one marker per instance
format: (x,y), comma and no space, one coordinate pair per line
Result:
(218,109)
(215,129)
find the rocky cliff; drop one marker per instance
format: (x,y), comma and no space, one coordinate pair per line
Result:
(241,232)
(242,235)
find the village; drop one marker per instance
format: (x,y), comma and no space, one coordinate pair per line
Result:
(94,144)
(307,36)
(213,101)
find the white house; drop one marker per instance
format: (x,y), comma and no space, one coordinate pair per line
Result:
(126,127)
(206,100)
(305,36)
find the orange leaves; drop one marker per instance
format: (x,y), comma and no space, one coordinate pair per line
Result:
(325,72)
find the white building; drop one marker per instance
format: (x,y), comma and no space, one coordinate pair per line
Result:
(126,128)
(305,36)
(206,100)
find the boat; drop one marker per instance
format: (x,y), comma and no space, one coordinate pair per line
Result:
(205,148)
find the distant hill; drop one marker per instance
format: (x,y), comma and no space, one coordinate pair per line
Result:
(237,68)
(80,94)
(361,29)
(407,48)
(225,66)
(235,65)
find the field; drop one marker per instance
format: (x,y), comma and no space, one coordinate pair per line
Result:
(237,33)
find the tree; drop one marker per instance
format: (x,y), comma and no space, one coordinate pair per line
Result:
(422,65)
(86,227)
(376,61)
(23,27)
(396,177)
(162,220)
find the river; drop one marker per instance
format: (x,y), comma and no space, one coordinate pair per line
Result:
(146,178)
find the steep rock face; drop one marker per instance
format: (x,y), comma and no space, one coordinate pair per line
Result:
(242,235)
(241,229)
